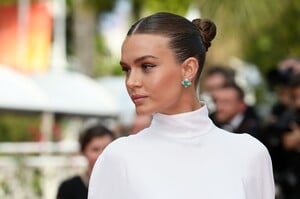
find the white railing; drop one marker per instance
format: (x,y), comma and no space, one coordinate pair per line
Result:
(65,147)
(35,170)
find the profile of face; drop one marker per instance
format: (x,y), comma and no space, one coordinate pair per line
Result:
(94,148)
(228,104)
(157,57)
(153,76)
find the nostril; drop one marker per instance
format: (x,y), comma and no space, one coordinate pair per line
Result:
(132,82)
(129,82)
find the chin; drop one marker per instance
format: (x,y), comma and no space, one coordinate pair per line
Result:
(141,111)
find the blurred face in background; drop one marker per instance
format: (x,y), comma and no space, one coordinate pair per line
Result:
(283,93)
(228,104)
(213,82)
(94,148)
(296,97)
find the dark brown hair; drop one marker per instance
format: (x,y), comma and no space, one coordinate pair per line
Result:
(187,39)
(90,133)
(239,91)
(226,72)
(295,81)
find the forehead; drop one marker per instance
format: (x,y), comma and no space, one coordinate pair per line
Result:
(226,93)
(216,78)
(137,45)
(100,140)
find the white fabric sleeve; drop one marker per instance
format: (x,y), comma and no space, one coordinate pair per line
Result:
(259,181)
(108,178)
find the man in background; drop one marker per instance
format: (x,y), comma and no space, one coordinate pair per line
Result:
(232,113)
(215,78)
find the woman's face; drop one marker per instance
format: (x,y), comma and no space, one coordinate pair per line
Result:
(94,148)
(153,76)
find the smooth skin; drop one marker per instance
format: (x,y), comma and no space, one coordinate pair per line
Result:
(94,148)
(213,83)
(228,104)
(153,76)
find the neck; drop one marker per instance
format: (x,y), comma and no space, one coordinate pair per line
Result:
(192,103)
(86,177)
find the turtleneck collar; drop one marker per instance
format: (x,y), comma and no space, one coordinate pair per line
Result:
(183,125)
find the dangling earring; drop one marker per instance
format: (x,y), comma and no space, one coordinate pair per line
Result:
(186,82)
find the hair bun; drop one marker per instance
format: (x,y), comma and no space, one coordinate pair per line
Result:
(207,30)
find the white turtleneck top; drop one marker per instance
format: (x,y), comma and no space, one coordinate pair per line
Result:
(183,156)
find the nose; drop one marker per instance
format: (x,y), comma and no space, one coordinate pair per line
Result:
(133,80)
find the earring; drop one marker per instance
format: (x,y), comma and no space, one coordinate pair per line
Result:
(186,82)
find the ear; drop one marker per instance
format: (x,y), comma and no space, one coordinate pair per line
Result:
(243,107)
(189,68)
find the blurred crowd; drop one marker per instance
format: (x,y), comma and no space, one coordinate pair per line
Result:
(93,139)
(279,130)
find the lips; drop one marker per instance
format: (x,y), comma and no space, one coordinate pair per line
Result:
(138,98)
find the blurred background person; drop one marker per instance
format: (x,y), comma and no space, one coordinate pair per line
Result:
(215,78)
(291,140)
(283,140)
(232,113)
(278,80)
(92,142)
(280,131)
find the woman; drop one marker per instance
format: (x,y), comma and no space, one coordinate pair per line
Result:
(92,142)
(182,154)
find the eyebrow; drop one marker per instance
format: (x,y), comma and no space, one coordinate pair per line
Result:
(140,59)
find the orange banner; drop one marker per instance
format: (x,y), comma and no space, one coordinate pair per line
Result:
(25,37)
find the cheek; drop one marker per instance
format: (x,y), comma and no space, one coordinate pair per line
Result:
(297,98)
(221,105)
(225,111)
(165,83)
(234,109)
(168,92)
(225,108)
(92,155)
(297,101)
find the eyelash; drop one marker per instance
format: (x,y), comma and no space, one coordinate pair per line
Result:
(125,69)
(145,67)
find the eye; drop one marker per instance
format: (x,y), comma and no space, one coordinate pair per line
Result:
(147,66)
(125,69)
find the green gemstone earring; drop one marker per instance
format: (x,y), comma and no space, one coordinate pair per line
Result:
(186,82)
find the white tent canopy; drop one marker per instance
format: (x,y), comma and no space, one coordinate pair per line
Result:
(18,92)
(116,85)
(75,93)
(60,92)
